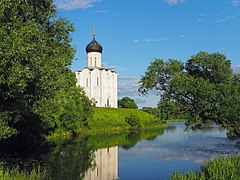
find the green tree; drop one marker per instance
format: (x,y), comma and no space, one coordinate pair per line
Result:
(205,88)
(35,55)
(127,102)
(167,109)
(150,110)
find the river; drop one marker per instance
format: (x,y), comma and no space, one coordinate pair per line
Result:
(149,154)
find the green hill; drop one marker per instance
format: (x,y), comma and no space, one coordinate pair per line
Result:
(113,119)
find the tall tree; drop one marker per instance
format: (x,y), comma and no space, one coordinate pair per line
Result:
(205,87)
(35,55)
(127,102)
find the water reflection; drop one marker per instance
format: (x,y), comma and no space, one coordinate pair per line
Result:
(106,165)
(175,150)
(88,157)
(149,154)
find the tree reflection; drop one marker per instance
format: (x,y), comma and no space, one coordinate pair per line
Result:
(73,158)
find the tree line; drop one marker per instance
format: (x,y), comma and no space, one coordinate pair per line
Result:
(38,92)
(205,89)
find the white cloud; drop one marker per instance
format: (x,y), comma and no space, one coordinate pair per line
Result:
(226,18)
(236,69)
(117,68)
(150,39)
(114,68)
(174,2)
(235,2)
(140,101)
(74,4)
(99,12)
(136,41)
(128,86)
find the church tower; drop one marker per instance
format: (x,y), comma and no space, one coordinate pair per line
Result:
(94,53)
(98,82)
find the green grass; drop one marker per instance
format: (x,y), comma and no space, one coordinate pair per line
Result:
(113,119)
(222,168)
(16,174)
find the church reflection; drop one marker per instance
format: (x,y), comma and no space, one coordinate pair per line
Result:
(106,165)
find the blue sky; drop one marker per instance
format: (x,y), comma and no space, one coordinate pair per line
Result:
(135,32)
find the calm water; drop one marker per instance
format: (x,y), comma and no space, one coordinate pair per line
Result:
(154,154)
(175,150)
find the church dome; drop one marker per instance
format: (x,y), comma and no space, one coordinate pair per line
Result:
(94,46)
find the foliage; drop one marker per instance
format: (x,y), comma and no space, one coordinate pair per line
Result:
(204,88)
(65,158)
(127,102)
(134,121)
(124,139)
(70,159)
(35,56)
(167,110)
(16,174)
(74,111)
(220,169)
(150,110)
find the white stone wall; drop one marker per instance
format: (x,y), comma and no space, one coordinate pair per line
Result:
(100,84)
(94,59)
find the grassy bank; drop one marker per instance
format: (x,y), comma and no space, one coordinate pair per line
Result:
(113,119)
(221,168)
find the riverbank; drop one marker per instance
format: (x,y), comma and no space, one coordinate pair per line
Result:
(112,120)
(218,168)
(79,151)
(107,119)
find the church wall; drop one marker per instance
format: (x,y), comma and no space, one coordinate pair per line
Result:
(100,85)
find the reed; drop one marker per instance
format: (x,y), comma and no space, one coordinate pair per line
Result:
(17,174)
(221,168)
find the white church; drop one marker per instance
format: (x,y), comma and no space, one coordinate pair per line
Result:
(98,82)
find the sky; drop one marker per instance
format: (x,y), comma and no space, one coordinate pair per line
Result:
(135,32)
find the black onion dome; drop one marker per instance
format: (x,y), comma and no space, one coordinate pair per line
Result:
(94,46)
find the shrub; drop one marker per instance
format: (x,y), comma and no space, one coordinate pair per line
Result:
(134,121)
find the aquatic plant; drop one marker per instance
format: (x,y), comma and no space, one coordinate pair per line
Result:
(17,174)
(221,168)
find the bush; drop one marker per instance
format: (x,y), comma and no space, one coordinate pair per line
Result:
(134,121)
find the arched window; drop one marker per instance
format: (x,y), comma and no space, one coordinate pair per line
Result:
(95,61)
(108,104)
(97,82)
(90,61)
(87,82)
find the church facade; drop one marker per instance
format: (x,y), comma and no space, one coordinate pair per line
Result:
(98,82)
